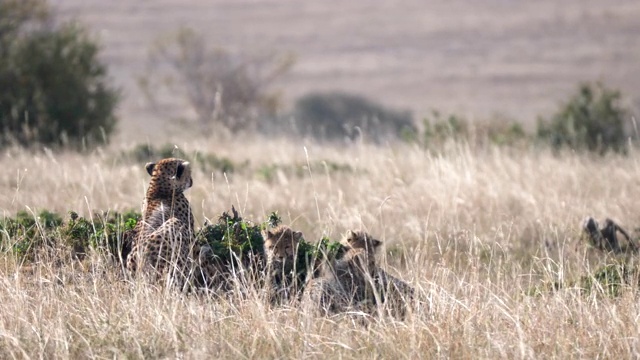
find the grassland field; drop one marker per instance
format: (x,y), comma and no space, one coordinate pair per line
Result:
(489,236)
(474,230)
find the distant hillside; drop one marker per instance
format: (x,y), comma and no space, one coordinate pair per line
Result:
(474,58)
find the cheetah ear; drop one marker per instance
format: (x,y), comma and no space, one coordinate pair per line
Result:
(297,236)
(376,243)
(150,166)
(180,169)
(351,236)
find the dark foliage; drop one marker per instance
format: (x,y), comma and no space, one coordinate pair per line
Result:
(53,88)
(336,116)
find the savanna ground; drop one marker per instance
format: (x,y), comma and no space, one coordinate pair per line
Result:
(473,229)
(480,232)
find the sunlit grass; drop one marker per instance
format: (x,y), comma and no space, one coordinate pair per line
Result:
(472,229)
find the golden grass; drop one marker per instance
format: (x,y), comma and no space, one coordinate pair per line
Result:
(472,229)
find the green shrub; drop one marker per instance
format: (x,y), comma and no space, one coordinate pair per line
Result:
(505,133)
(593,119)
(608,280)
(239,243)
(25,234)
(498,131)
(438,129)
(107,232)
(233,239)
(335,116)
(53,88)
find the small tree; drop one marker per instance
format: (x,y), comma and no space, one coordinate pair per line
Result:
(220,87)
(53,88)
(593,119)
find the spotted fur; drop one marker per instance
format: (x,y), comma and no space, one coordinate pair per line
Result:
(163,239)
(395,294)
(356,282)
(344,282)
(281,246)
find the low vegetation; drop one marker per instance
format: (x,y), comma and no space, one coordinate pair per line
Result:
(593,119)
(236,243)
(481,218)
(27,235)
(489,238)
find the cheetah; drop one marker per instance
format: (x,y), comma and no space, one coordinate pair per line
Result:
(163,240)
(395,294)
(356,282)
(281,247)
(344,282)
(392,293)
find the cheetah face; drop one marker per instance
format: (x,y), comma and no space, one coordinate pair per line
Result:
(362,248)
(281,245)
(360,240)
(170,175)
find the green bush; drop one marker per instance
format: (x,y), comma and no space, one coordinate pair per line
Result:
(438,129)
(53,88)
(610,280)
(498,131)
(335,116)
(109,232)
(26,234)
(238,243)
(593,119)
(232,239)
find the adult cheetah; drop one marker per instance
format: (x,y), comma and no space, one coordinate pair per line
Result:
(163,239)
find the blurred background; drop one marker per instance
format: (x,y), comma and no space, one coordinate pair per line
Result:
(219,67)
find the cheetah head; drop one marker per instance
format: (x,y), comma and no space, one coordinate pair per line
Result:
(281,245)
(362,240)
(362,246)
(169,176)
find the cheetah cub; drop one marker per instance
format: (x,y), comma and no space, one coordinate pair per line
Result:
(281,247)
(343,283)
(356,282)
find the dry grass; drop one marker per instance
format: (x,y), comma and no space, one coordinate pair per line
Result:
(472,229)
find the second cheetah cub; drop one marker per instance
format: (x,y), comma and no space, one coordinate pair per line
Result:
(356,282)
(344,283)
